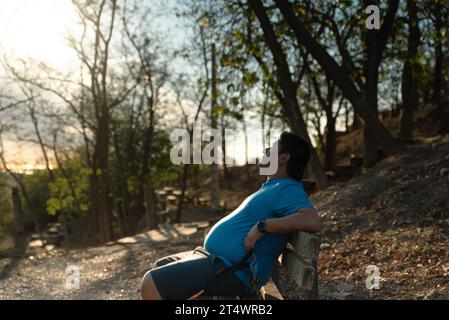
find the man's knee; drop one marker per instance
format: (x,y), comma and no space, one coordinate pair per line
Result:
(148,288)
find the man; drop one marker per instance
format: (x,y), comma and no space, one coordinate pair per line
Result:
(262,222)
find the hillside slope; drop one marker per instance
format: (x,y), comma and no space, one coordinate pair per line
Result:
(394,216)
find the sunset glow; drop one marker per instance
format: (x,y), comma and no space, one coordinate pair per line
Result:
(36,30)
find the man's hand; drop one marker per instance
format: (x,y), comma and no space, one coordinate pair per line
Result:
(252,237)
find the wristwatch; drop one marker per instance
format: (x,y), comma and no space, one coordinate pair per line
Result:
(261,226)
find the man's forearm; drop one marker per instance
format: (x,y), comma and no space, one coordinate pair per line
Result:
(306,219)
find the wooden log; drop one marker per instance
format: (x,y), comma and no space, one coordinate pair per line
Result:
(161,194)
(52,239)
(203,201)
(160,199)
(53,230)
(54,225)
(202,224)
(172,198)
(172,202)
(169,190)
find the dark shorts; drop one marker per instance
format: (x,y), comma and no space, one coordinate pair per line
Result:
(180,276)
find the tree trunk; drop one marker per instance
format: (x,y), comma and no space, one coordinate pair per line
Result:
(245,132)
(409,74)
(185,173)
(100,215)
(337,74)
(331,143)
(346,118)
(147,145)
(65,226)
(223,149)
(121,218)
(355,121)
(150,208)
(215,189)
(371,70)
(123,208)
(438,69)
(19,230)
(371,145)
(327,105)
(375,45)
(291,106)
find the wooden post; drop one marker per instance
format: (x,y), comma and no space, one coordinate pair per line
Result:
(300,258)
(313,294)
(19,230)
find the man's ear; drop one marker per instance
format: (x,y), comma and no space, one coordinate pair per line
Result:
(284,157)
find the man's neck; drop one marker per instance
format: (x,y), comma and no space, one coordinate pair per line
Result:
(278,175)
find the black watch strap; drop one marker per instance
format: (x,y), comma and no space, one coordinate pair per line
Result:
(261,226)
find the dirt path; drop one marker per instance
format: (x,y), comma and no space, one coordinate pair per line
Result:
(107,272)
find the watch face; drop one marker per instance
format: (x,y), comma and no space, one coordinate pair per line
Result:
(261,226)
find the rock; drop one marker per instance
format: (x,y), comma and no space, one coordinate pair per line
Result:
(345,287)
(324,246)
(444,172)
(343,291)
(386,258)
(431,164)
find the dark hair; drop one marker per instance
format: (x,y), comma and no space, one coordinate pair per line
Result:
(299,151)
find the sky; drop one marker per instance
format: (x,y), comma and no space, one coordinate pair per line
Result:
(38,29)
(34,28)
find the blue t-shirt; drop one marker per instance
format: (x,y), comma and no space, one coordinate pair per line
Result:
(276,198)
